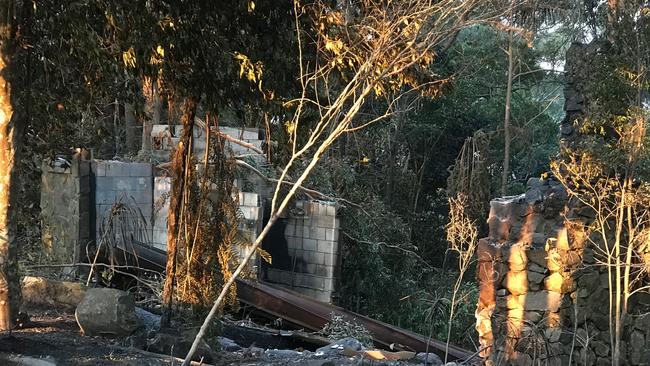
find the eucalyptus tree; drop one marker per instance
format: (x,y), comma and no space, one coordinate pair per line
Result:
(14,17)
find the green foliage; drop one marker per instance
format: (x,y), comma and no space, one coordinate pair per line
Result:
(397,172)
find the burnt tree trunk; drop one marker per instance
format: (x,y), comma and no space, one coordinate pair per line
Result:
(152,108)
(179,166)
(10,136)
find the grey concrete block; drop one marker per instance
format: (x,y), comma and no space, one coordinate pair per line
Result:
(323,296)
(291,243)
(330,259)
(251,199)
(317,258)
(123,183)
(306,230)
(330,234)
(114,169)
(162,184)
(255,213)
(286,277)
(98,168)
(310,268)
(331,210)
(104,197)
(324,221)
(324,271)
(140,170)
(143,184)
(317,233)
(160,246)
(325,246)
(310,281)
(329,285)
(102,211)
(103,184)
(310,244)
(143,198)
(160,222)
(289,230)
(322,209)
(159,236)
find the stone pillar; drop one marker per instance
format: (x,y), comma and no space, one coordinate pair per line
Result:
(544,299)
(593,87)
(65,210)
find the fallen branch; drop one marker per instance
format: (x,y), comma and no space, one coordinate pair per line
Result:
(112,267)
(237,141)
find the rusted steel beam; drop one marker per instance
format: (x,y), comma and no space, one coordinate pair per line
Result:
(313,315)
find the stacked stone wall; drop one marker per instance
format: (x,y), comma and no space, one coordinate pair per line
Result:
(66,206)
(544,297)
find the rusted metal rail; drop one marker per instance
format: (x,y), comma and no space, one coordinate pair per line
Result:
(312,314)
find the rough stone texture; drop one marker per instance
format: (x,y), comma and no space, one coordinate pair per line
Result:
(534,279)
(312,240)
(585,67)
(106,311)
(429,359)
(539,236)
(65,210)
(150,321)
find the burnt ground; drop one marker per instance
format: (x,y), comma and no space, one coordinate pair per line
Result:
(52,338)
(55,337)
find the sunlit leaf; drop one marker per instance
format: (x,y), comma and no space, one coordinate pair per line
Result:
(128,57)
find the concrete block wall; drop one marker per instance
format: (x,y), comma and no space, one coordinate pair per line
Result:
(162,149)
(65,210)
(126,182)
(251,207)
(312,241)
(249,204)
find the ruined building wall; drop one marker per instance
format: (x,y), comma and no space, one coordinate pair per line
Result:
(65,210)
(543,297)
(312,251)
